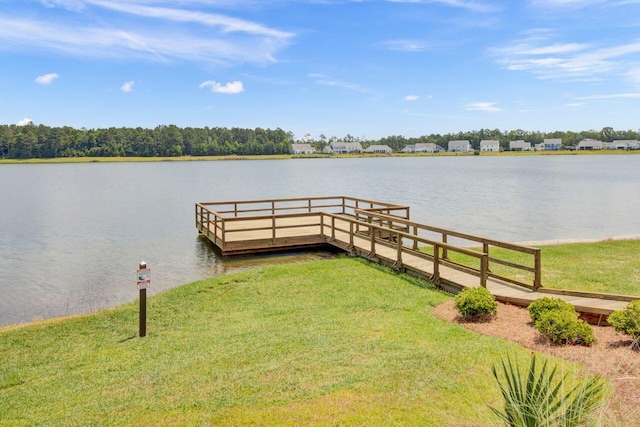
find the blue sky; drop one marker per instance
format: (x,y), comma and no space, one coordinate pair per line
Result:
(368,68)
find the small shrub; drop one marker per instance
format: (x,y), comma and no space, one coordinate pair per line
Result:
(476,304)
(564,327)
(627,321)
(543,305)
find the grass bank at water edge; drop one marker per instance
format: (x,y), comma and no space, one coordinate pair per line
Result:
(328,342)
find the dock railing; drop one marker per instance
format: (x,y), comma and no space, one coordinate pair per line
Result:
(382,224)
(216,219)
(413,229)
(379,235)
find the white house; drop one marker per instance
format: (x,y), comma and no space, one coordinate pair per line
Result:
(302,149)
(339,147)
(588,144)
(489,145)
(460,146)
(409,148)
(551,144)
(519,145)
(427,147)
(385,149)
(622,144)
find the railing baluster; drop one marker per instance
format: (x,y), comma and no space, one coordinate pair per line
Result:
(436,263)
(333,228)
(351,234)
(399,250)
(373,242)
(537,281)
(484,266)
(445,254)
(273,229)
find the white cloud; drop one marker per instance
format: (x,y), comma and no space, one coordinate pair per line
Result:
(24,122)
(161,33)
(612,96)
(46,79)
(568,61)
(482,106)
(321,79)
(576,104)
(473,6)
(230,88)
(634,76)
(411,98)
(127,86)
(226,23)
(406,45)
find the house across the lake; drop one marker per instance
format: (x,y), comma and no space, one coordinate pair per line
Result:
(423,147)
(461,146)
(550,144)
(622,144)
(519,145)
(589,144)
(302,149)
(339,147)
(380,149)
(490,145)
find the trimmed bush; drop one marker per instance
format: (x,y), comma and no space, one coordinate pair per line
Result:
(627,321)
(543,305)
(562,326)
(476,304)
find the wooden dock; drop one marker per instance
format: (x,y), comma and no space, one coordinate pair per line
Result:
(383,233)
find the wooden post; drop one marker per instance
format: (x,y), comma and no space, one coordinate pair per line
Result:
(309,205)
(415,233)
(436,263)
(333,228)
(399,250)
(235,210)
(273,229)
(351,234)
(445,254)
(484,266)
(143,281)
(273,207)
(373,241)
(537,281)
(485,249)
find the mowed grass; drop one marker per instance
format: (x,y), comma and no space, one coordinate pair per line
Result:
(606,267)
(328,342)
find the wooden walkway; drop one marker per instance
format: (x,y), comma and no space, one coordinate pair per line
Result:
(384,233)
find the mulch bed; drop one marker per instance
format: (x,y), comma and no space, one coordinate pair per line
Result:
(610,355)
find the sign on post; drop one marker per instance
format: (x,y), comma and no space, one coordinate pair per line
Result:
(143,283)
(143,276)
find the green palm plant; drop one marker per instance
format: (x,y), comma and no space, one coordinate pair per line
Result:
(538,398)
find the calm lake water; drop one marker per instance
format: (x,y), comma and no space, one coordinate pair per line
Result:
(71,235)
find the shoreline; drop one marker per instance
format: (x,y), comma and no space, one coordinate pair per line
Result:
(311,156)
(555,242)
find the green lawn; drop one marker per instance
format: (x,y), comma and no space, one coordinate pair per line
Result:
(327,342)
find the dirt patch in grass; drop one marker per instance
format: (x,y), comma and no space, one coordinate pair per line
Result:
(610,355)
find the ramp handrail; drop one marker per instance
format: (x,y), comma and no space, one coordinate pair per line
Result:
(394,222)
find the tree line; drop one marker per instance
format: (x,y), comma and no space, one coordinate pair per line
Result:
(31,141)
